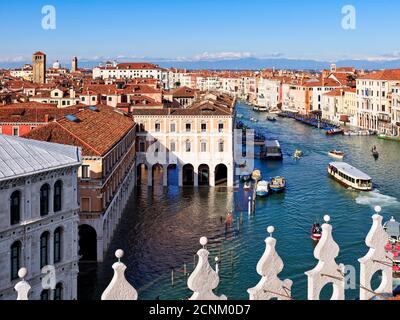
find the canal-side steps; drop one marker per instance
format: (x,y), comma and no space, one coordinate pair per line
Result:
(204,279)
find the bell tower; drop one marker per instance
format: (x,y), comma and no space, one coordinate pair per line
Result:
(74,64)
(39,67)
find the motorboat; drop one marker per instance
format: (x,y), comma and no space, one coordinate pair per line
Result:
(277,184)
(274,110)
(334,131)
(390,138)
(253,119)
(298,154)
(336,154)
(316,232)
(256,175)
(262,189)
(239,116)
(262,109)
(272,119)
(247,185)
(350,176)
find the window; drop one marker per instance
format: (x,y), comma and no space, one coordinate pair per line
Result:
(15,207)
(172,127)
(142,146)
(188,127)
(203,127)
(85,172)
(45,295)
(44,200)
(172,146)
(220,127)
(221,146)
(44,249)
(158,127)
(15,131)
(58,292)
(15,259)
(203,146)
(57,245)
(188,146)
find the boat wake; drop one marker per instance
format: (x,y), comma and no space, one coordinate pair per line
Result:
(375,198)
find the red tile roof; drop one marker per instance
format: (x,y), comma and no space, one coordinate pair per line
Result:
(96,132)
(389,74)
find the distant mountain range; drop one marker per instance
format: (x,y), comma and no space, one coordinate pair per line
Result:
(250,64)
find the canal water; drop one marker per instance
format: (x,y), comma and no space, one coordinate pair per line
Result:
(160,229)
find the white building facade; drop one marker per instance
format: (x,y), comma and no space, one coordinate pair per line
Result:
(39,218)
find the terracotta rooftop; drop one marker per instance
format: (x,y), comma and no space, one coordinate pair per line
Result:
(95,130)
(390,74)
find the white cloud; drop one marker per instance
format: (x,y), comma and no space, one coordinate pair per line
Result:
(14,59)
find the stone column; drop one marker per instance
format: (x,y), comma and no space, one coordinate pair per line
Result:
(230,176)
(212,176)
(180,175)
(165,175)
(149,176)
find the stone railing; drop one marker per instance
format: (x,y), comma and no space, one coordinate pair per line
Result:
(204,279)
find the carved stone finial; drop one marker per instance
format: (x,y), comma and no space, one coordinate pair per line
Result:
(204,279)
(119,288)
(327,271)
(22,287)
(269,266)
(377,259)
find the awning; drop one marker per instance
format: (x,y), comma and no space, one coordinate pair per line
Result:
(344,118)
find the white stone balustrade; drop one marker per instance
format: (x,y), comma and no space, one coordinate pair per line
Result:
(377,259)
(269,266)
(119,288)
(204,279)
(327,271)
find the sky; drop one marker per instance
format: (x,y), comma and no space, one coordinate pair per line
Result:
(200,30)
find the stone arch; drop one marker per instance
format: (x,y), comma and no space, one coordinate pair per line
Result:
(157,174)
(173,175)
(221,174)
(142,174)
(188,175)
(204,175)
(87,243)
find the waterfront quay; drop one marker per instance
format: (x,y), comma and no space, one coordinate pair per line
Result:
(161,226)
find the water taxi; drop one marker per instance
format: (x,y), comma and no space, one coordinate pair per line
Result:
(272,119)
(333,132)
(253,120)
(277,184)
(273,150)
(336,154)
(262,189)
(390,138)
(350,176)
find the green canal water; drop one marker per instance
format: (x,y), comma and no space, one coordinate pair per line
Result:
(160,229)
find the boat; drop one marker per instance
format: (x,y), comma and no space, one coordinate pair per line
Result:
(297,154)
(239,116)
(262,109)
(262,189)
(247,185)
(316,232)
(390,138)
(277,184)
(273,119)
(256,175)
(274,110)
(350,176)
(273,150)
(253,120)
(336,154)
(375,153)
(334,131)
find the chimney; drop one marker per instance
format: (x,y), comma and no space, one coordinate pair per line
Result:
(46,118)
(72,93)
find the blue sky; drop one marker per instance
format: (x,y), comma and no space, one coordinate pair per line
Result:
(189,29)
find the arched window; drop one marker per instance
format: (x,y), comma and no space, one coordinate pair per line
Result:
(57,245)
(15,207)
(58,196)
(44,200)
(44,249)
(221,146)
(45,295)
(58,292)
(15,259)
